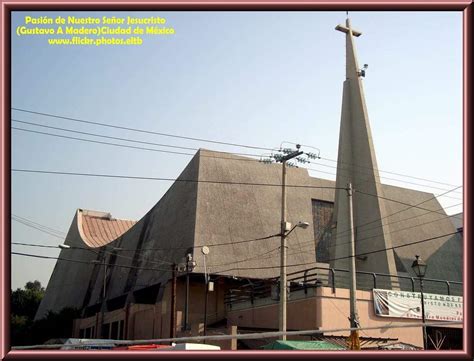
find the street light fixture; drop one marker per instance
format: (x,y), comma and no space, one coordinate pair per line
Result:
(419,267)
(286,229)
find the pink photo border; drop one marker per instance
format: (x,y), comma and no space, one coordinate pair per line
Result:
(337,5)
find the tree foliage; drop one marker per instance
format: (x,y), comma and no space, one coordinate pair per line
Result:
(26,331)
(25,302)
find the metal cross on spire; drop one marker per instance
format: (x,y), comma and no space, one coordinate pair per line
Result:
(352,68)
(347,29)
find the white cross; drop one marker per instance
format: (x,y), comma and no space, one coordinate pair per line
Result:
(347,29)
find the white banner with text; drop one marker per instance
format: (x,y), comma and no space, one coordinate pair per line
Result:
(393,303)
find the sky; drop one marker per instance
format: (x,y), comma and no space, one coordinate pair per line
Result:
(257,78)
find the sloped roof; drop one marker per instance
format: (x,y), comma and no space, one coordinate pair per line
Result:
(98,229)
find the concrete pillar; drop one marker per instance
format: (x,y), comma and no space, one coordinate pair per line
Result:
(233,332)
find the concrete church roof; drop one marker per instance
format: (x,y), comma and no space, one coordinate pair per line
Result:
(220,201)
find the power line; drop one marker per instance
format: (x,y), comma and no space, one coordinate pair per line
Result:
(159,249)
(420,215)
(148,149)
(221,182)
(405,204)
(85,262)
(178,147)
(116,138)
(84,248)
(250,336)
(344,257)
(38,228)
(196,247)
(410,206)
(100,142)
(172,152)
(342,233)
(389,172)
(247,259)
(372,169)
(159,150)
(38,224)
(139,130)
(103,136)
(395,231)
(35,245)
(150,249)
(311,243)
(155,261)
(375,182)
(165,145)
(232,243)
(208,141)
(395,247)
(169,179)
(240,159)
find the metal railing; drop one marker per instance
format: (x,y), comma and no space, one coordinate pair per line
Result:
(338,278)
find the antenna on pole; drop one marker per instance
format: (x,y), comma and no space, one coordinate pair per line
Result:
(347,14)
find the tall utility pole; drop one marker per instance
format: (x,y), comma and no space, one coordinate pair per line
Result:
(104,293)
(190,264)
(284,228)
(354,318)
(173,303)
(205,252)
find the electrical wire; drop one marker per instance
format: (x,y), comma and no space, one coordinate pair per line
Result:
(179,147)
(139,130)
(117,138)
(410,206)
(208,141)
(168,179)
(38,228)
(389,172)
(38,224)
(358,241)
(34,245)
(343,257)
(261,255)
(235,183)
(250,336)
(381,177)
(155,261)
(312,243)
(101,142)
(91,263)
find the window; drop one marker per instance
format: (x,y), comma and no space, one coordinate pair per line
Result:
(322,221)
(106,331)
(121,330)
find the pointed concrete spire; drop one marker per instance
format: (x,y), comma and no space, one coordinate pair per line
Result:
(357,164)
